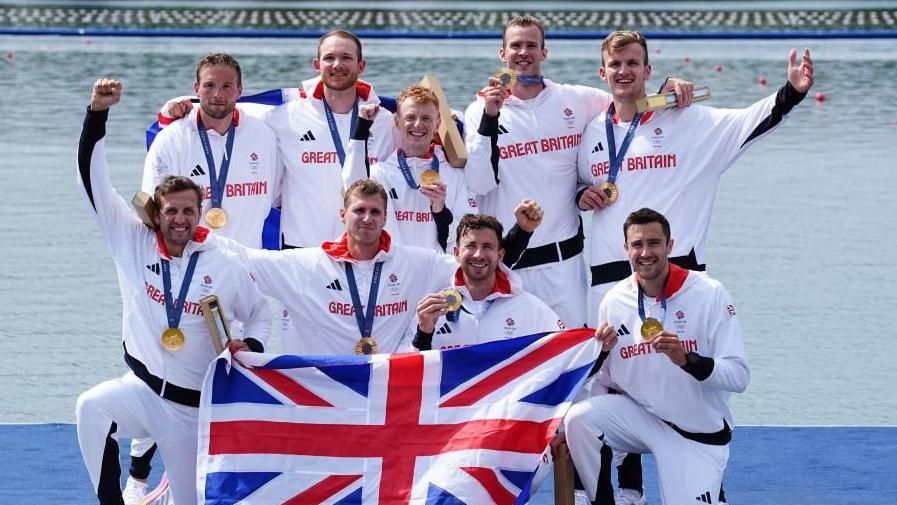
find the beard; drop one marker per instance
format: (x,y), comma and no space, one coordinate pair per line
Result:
(348,83)
(217,111)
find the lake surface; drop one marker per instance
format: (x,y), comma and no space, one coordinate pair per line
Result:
(803,233)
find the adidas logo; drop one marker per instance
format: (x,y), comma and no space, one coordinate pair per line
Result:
(335,285)
(154,268)
(393,193)
(197,171)
(705,498)
(307,137)
(444,329)
(623,331)
(598,148)
(502,129)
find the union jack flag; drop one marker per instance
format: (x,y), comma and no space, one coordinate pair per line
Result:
(457,426)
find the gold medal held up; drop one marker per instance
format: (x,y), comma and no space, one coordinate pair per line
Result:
(651,328)
(507,77)
(366,345)
(610,191)
(429,177)
(216,217)
(172,339)
(452,298)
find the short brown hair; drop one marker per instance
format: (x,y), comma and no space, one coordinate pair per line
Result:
(220,59)
(418,94)
(646,216)
(175,184)
(365,187)
(343,34)
(523,22)
(616,41)
(480,222)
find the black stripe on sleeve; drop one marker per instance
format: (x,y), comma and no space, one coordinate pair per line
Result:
(93,130)
(786,99)
(489,128)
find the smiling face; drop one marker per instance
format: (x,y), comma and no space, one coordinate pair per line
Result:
(648,249)
(177,219)
(339,62)
(524,50)
(218,89)
(478,253)
(417,122)
(625,70)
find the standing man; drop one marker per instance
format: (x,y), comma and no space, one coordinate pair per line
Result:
(312,131)
(233,156)
(522,143)
(428,195)
(670,160)
(162,276)
(677,355)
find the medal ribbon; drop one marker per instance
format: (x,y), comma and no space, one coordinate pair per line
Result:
(217,181)
(174,310)
(663,302)
(530,79)
(334,132)
(406,170)
(616,161)
(364,318)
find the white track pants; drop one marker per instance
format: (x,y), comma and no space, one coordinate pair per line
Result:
(136,411)
(687,470)
(562,286)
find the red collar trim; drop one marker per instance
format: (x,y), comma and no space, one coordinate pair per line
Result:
(502,282)
(428,155)
(362,89)
(236,117)
(678,275)
(339,250)
(645,117)
(199,236)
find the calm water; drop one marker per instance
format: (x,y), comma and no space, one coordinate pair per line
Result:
(803,231)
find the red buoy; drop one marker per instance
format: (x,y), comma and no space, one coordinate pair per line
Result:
(9,55)
(761,80)
(820,97)
(718,68)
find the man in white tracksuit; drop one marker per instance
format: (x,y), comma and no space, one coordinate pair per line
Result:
(522,143)
(162,276)
(356,294)
(677,355)
(238,169)
(422,213)
(672,162)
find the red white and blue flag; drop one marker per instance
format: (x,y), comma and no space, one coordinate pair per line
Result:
(458,426)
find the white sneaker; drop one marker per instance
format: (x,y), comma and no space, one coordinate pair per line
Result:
(581,498)
(134,491)
(629,497)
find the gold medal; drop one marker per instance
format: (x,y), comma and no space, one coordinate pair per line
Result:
(452,298)
(507,77)
(216,217)
(366,345)
(610,191)
(651,328)
(429,177)
(172,339)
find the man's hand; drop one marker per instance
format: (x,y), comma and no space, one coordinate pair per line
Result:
(436,194)
(800,76)
(559,446)
(593,198)
(428,311)
(685,91)
(529,215)
(178,108)
(495,96)
(106,93)
(236,345)
(369,111)
(668,343)
(606,335)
